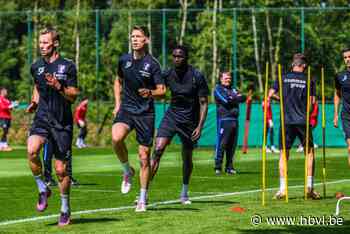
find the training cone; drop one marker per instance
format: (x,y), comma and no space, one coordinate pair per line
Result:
(237,209)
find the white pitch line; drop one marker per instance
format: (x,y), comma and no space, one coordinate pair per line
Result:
(155,204)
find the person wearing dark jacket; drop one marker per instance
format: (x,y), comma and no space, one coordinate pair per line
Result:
(227,109)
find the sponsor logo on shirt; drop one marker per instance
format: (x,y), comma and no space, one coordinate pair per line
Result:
(146,66)
(41,70)
(128,64)
(145,71)
(345,77)
(61,68)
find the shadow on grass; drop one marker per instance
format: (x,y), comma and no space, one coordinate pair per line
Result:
(89,220)
(215,202)
(172,209)
(313,229)
(247,173)
(84,184)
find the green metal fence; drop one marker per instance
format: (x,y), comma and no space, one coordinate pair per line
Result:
(246,38)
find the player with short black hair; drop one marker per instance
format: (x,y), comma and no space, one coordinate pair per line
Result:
(185,116)
(138,82)
(227,111)
(294,87)
(342,92)
(55,89)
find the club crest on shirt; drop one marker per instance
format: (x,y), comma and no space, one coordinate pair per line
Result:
(61,69)
(128,64)
(41,70)
(345,77)
(146,66)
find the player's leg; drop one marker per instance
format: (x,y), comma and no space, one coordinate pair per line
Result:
(348,143)
(310,159)
(159,148)
(34,144)
(64,187)
(271,134)
(290,136)
(187,167)
(82,135)
(119,132)
(220,146)
(6,127)
(231,147)
(47,156)
(144,126)
(346,129)
(62,149)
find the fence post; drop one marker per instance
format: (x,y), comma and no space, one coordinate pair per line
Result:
(234,48)
(164,32)
(29,50)
(97,30)
(302,35)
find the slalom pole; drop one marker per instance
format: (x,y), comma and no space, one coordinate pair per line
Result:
(283,133)
(307,130)
(263,190)
(323,133)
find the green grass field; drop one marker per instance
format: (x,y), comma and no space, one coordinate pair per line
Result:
(99,207)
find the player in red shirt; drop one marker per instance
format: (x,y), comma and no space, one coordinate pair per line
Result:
(269,127)
(5,118)
(313,124)
(80,120)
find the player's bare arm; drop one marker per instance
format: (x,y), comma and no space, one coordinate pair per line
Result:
(69,93)
(159,92)
(117,90)
(203,110)
(273,95)
(337,97)
(34,102)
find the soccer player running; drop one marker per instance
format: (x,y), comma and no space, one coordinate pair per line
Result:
(138,82)
(227,110)
(294,87)
(5,118)
(342,92)
(269,127)
(185,115)
(55,89)
(80,120)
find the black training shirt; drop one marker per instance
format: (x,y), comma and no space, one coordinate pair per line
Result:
(185,92)
(227,102)
(53,108)
(137,74)
(342,83)
(295,96)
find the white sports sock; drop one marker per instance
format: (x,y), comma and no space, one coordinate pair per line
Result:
(282,184)
(40,183)
(310,182)
(143,195)
(184,191)
(65,203)
(126,167)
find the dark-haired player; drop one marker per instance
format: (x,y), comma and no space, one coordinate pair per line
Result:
(139,81)
(185,115)
(227,110)
(54,91)
(294,87)
(342,92)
